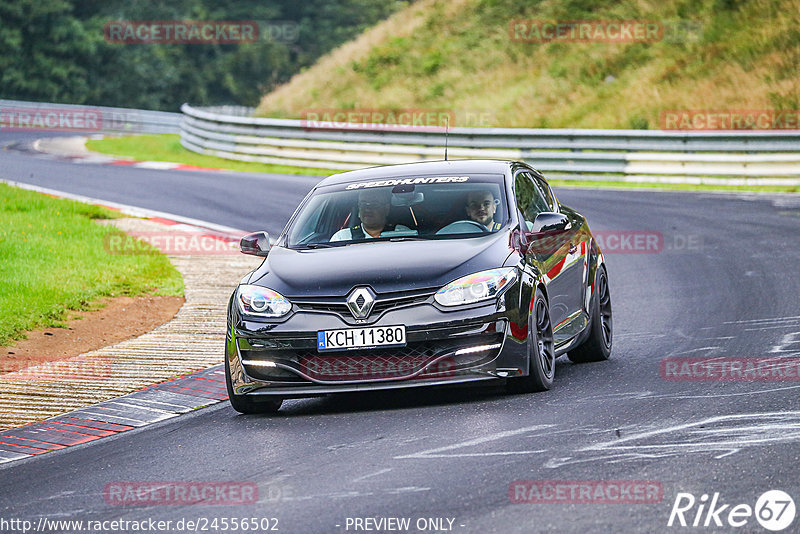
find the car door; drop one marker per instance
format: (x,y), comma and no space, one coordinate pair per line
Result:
(573,271)
(548,251)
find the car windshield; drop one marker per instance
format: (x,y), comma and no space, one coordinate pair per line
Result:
(406,207)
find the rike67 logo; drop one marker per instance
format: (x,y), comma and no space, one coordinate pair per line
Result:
(774,510)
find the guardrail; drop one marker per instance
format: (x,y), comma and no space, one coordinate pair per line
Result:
(231,133)
(24,115)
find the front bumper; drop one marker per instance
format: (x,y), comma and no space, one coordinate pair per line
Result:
(483,343)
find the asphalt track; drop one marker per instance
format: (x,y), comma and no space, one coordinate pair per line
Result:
(724,284)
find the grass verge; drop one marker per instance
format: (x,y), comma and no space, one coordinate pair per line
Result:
(479,61)
(167,147)
(53,259)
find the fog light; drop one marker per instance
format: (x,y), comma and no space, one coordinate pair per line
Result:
(478,348)
(259,363)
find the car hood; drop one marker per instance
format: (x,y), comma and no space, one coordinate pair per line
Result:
(385,266)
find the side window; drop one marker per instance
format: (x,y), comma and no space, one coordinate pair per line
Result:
(530,200)
(323,219)
(546,192)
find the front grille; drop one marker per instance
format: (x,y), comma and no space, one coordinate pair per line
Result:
(383,302)
(416,349)
(437,357)
(356,367)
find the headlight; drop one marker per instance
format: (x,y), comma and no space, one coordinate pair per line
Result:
(263,302)
(476,287)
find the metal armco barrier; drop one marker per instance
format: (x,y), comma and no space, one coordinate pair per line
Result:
(21,115)
(230,132)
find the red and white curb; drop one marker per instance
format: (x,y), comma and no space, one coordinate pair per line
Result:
(74,149)
(150,405)
(147,406)
(155,165)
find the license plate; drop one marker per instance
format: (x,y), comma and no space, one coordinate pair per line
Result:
(358,338)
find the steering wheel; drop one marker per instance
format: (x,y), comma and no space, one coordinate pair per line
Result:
(458,227)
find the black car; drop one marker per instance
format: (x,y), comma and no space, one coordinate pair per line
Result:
(414,275)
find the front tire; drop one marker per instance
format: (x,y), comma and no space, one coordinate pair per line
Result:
(541,350)
(597,346)
(245,405)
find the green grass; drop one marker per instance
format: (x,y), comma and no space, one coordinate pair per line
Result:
(167,147)
(53,259)
(458,55)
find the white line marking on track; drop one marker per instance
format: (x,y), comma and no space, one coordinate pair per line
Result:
(678,396)
(382,471)
(435,453)
(554,463)
(788,339)
(760,328)
(760,431)
(695,350)
(720,435)
(771,320)
(406,489)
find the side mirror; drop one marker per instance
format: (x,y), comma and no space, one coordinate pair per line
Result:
(547,233)
(549,221)
(256,244)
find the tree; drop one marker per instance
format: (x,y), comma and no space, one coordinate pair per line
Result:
(56,51)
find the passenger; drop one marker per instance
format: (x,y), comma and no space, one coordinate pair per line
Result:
(373,209)
(481,207)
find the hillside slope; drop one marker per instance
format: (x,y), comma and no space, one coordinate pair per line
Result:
(460,56)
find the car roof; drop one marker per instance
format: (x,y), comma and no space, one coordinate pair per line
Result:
(446,168)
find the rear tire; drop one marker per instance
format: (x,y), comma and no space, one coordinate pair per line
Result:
(541,350)
(597,346)
(244,404)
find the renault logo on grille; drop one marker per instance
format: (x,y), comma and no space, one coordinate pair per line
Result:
(360,302)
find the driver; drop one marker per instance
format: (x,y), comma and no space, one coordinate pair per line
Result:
(481,206)
(373,209)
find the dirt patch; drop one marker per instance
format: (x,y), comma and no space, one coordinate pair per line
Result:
(121,318)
